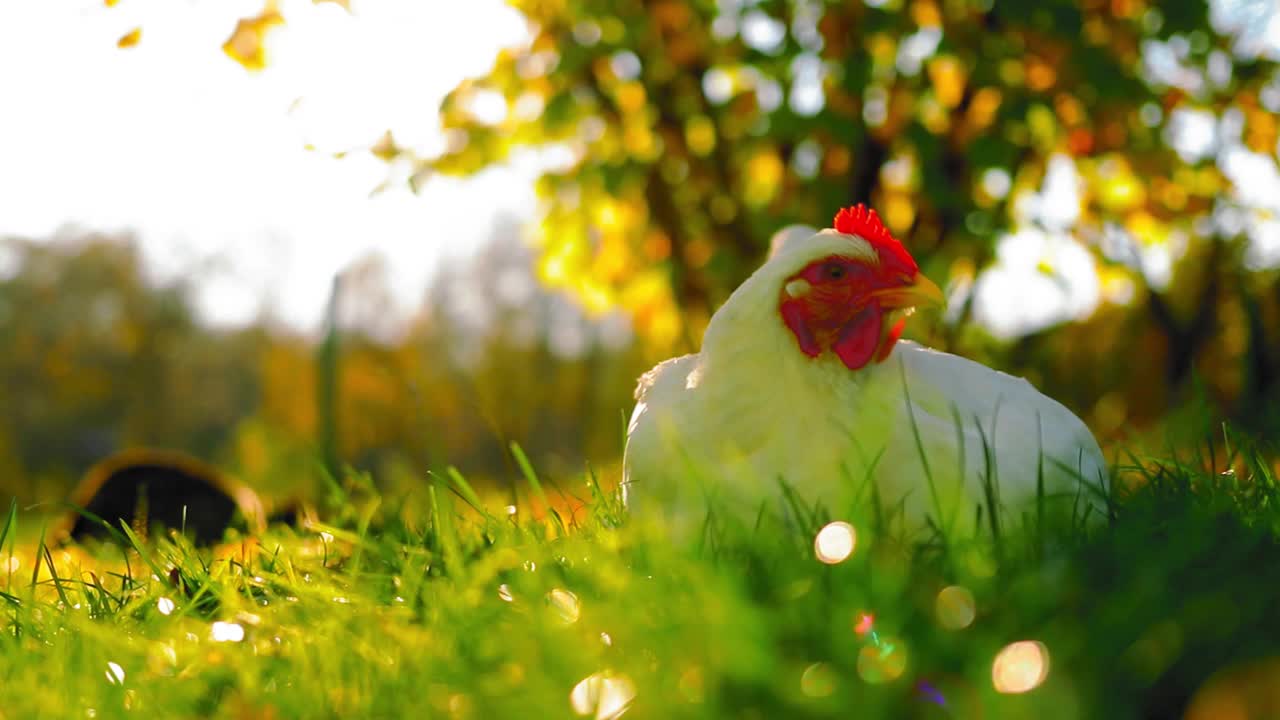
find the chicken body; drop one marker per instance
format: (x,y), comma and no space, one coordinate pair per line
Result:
(725,425)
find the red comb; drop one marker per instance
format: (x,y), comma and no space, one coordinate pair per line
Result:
(862,221)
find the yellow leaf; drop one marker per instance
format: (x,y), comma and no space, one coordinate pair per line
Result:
(1012,73)
(899,212)
(1171,194)
(948,76)
(247,45)
(982,110)
(1040,75)
(837,161)
(700,135)
(1119,189)
(639,140)
(1043,125)
(1145,227)
(631,97)
(130,38)
(764,174)
(926,14)
(344,4)
(933,115)
(1262,131)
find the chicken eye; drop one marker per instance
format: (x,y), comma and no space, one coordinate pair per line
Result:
(834,271)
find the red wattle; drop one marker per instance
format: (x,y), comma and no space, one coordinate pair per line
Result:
(793,314)
(859,339)
(890,340)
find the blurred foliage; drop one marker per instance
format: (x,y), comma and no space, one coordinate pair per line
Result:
(99,357)
(686,133)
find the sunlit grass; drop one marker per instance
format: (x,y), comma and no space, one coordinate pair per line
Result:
(440,606)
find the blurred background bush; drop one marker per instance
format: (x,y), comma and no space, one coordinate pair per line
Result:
(1094,182)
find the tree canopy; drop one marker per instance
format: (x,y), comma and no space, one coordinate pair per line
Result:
(1083,157)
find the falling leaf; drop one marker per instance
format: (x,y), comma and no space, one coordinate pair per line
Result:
(385,149)
(247,45)
(130,38)
(1040,75)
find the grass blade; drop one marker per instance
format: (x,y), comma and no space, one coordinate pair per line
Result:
(526,468)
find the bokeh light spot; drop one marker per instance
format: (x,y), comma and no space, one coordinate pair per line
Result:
(863,622)
(818,681)
(882,662)
(955,607)
(834,543)
(996,182)
(1020,667)
(1241,692)
(692,685)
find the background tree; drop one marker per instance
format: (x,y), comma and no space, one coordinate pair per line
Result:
(98,357)
(1067,130)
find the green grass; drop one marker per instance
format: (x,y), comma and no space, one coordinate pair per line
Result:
(438,607)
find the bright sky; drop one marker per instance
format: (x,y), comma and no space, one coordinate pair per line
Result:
(207,162)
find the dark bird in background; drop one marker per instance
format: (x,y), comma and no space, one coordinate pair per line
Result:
(161,489)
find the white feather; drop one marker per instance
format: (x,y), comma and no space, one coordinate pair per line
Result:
(751,408)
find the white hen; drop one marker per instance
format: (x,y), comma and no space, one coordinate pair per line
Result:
(801,379)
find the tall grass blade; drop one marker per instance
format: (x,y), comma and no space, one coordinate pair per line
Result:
(915,433)
(526,468)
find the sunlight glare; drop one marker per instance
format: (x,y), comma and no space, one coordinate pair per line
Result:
(1020,667)
(603,694)
(226,632)
(115,673)
(165,605)
(565,605)
(835,542)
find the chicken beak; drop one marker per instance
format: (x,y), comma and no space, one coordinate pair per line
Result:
(797,288)
(920,292)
